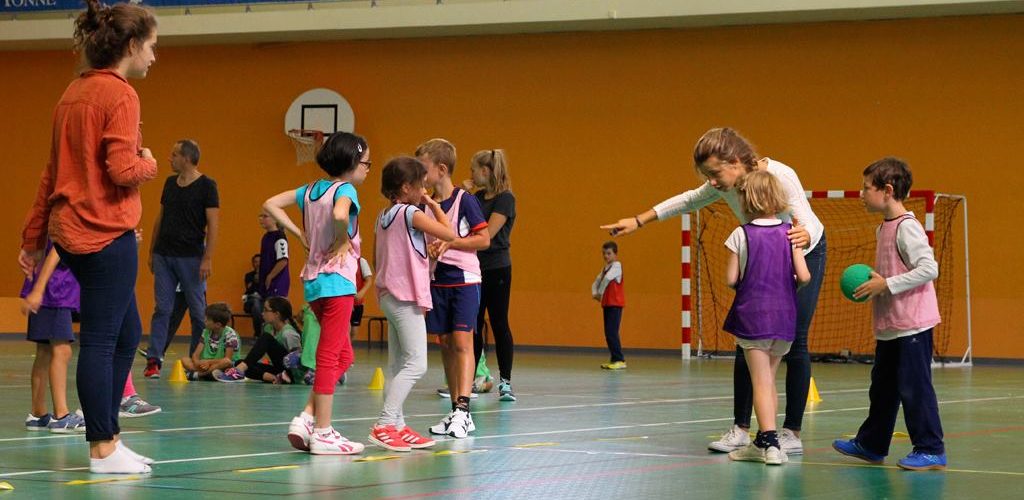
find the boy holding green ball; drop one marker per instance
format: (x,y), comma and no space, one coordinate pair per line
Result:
(905,313)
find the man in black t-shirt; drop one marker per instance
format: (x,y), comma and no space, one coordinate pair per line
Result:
(181,249)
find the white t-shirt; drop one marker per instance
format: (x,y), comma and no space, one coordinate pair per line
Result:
(364,268)
(737,241)
(705,195)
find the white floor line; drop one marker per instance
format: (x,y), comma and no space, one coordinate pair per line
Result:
(541,433)
(59,436)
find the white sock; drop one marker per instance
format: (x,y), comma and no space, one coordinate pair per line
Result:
(141,458)
(118,462)
(307,417)
(323,432)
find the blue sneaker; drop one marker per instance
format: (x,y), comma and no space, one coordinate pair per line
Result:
(853,449)
(230,375)
(34,423)
(72,422)
(923,461)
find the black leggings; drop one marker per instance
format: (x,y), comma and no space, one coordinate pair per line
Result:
(494,298)
(266,344)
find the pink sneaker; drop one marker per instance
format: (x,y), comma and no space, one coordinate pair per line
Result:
(414,439)
(300,431)
(333,443)
(387,437)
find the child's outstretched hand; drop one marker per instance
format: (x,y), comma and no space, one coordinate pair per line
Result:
(798,235)
(872,288)
(622,227)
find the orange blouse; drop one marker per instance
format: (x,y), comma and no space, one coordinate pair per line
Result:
(89,192)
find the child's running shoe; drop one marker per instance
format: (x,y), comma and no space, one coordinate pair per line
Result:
(922,461)
(732,440)
(230,375)
(775,456)
(34,423)
(333,443)
(300,431)
(790,443)
(152,368)
(618,365)
(459,426)
(134,406)
(387,437)
(441,428)
(71,423)
(853,449)
(414,439)
(748,453)
(505,391)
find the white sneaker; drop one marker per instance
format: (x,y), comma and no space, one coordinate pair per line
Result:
(774,456)
(749,453)
(333,443)
(472,425)
(300,431)
(733,440)
(118,462)
(790,443)
(141,458)
(459,426)
(441,428)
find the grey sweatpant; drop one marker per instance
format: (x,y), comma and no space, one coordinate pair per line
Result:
(407,355)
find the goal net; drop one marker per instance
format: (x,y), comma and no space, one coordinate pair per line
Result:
(840,328)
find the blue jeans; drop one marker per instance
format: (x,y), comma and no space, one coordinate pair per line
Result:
(168,273)
(798,360)
(903,374)
(110,330)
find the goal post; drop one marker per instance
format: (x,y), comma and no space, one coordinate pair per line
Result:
(840,328)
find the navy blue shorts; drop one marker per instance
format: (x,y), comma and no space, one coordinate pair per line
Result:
(455,308)
(50,323)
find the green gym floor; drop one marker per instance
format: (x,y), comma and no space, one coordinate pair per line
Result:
(576,432)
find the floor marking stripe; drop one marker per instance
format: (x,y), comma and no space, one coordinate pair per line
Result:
(264,469)
(78,482)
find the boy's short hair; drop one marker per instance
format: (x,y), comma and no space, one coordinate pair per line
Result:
(893,171)
(439,151)
(610,245)
(219,313)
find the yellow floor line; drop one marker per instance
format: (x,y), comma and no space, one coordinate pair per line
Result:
(534,445)
(262,469)
(78,482)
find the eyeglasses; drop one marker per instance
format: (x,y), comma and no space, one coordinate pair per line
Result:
(368,164)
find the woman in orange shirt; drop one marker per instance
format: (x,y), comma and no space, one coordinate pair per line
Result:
(88,204)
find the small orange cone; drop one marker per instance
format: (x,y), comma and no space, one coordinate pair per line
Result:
(178,373)
(377,382)
(812,393)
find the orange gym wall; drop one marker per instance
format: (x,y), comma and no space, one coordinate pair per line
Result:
(598,126)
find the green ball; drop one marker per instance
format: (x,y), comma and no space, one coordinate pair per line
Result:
(853,277)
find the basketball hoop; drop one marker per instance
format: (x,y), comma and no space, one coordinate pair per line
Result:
(307,144)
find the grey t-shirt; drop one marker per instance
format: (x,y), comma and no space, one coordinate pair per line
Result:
(497,255)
